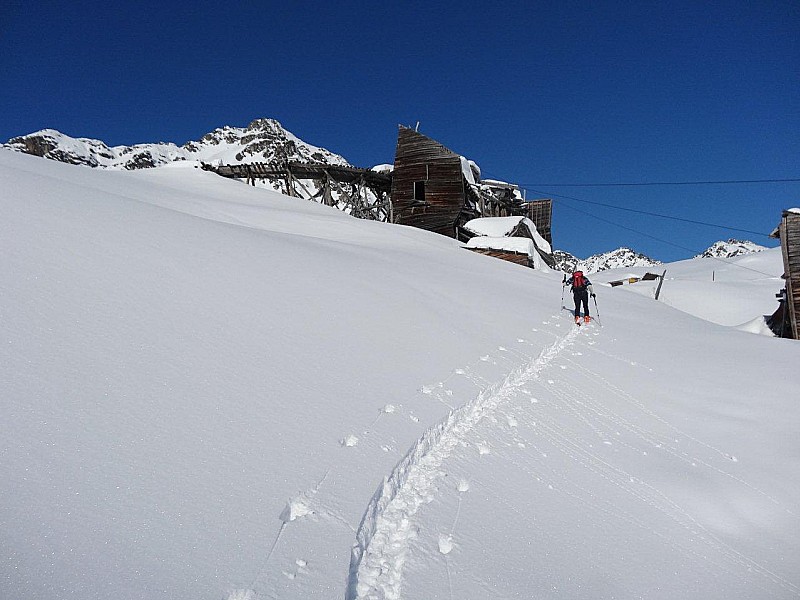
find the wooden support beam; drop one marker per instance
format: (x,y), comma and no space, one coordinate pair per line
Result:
(660,283)
(305,189)
(328,195)
(290,191)
(344,193)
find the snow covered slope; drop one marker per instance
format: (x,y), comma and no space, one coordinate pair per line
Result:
(736,291)
(214,391)
(263,140)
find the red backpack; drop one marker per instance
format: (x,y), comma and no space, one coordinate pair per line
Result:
(578,280)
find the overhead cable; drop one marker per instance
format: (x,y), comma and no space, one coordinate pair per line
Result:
(653,183)
(663,241)
(652,214)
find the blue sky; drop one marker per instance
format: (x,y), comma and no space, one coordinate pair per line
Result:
(535,93)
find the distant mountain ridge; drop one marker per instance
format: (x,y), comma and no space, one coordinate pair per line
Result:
(266,140)
(625,257)
(621,257)
(565,261)
(263,140)
(730,248)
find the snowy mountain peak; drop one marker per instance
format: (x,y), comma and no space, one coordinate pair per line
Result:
(263,140)
(565,261)
(621,257)
(730,248)
(57,146)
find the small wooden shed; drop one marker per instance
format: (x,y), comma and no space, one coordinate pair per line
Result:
(786,320)
(633,279)
(521,251)
(510,227)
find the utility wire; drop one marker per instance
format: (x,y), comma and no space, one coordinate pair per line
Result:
(528,186)
(653,183)
(663,241)
(652,214)
(694,251)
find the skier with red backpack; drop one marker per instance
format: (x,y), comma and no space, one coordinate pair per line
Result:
(581,289)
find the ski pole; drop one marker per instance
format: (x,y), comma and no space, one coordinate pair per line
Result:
(596,310)
(563,284)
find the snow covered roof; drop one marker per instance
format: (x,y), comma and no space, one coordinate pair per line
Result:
(493,226)
(508,244)
(499,183)
(503,226)
(466,170)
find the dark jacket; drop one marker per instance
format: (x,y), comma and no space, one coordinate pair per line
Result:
(587,286)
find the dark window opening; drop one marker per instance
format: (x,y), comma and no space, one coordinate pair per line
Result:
(419,191)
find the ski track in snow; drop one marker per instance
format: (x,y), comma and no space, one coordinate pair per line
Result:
(385,537)
(379,553)
(305,502)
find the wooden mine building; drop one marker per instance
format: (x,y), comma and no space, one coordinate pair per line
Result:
(436,189)
(430,187)
(786,320)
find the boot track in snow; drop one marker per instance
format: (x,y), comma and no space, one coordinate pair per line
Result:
(379,552)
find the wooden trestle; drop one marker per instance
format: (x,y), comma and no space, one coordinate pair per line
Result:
(361,192)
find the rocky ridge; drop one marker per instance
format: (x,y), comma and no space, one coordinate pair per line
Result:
(621,257)
(730,248)
(625,257)
(263,140)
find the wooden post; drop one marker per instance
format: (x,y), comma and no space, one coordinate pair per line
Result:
(362,200)
(327,195)
(304,188)
(660,283)
(348,198)
(290,191)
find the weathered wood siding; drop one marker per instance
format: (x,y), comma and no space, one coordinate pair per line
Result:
(790,245)
(541,213)
(514,257)
(419,158)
